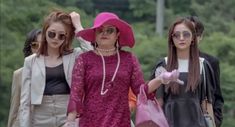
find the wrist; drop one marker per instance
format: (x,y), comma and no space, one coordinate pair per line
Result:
(71,116)
(78,28)
(159,80)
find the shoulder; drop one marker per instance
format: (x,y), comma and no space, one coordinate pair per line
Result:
(75,53)
(77,50)
(86,55)
(17,75)
(206,64)
(211,59)
(161,62)
(18,71)
(128,55)
(30,59)
(204,61)
(33,56)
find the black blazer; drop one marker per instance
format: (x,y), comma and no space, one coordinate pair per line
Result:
(218,100)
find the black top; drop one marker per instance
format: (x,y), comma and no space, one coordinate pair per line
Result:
(217,95)
(55,81)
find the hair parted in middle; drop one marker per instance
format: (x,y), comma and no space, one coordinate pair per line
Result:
(172,60)
(58,16)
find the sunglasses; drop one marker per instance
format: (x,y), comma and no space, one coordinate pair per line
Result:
(108,30)
(34,45)
(53,35)
(177,35)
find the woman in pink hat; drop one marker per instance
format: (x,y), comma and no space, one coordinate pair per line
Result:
(101,78)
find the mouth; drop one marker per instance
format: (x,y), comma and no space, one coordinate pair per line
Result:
(55,43)
(182,43)
(104,38)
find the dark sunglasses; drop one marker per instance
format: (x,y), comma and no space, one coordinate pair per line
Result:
(52,35)
(177,35)
(108,30)
(34,45)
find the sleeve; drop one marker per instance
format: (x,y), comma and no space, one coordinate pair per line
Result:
(137,78)
(85,45)
(25,100)
(13,107)
(160,91)
(132,99)
(217,97)
(77,87)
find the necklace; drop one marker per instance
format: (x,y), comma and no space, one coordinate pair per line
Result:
(102,92)
(106,50)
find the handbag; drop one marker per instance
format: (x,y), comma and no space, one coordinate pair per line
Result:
(206,106)
(149,113)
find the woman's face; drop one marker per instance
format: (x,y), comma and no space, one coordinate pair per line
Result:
(106,36)
(182,37)
(35,45)
(55,35)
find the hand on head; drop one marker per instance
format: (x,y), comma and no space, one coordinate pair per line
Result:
(76,21)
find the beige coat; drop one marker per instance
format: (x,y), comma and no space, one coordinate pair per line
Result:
(13,119)
(34,78)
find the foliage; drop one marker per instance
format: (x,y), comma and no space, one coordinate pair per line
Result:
(16,22)
(20,16)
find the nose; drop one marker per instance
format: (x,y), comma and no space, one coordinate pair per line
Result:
(181,37)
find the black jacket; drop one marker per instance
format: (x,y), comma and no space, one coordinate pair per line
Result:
(218,100)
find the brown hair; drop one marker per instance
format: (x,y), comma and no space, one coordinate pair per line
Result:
(172,60)
(65,19)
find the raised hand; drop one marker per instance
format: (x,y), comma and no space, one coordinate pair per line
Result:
(76,20)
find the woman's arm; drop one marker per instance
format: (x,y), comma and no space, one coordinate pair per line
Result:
(75,106)
(165,77)
(15,97)
(25,99)
(76,20)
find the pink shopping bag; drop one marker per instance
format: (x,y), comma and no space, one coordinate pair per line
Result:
(149,113)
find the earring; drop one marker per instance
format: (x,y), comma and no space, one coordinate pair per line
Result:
(117,44)
(96,45)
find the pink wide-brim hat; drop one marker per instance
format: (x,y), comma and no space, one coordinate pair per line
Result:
(126,37)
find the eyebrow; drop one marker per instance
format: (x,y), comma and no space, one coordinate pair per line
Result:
(182,31)
(64,32)
(109,26)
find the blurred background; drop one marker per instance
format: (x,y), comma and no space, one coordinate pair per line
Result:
(150,20)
